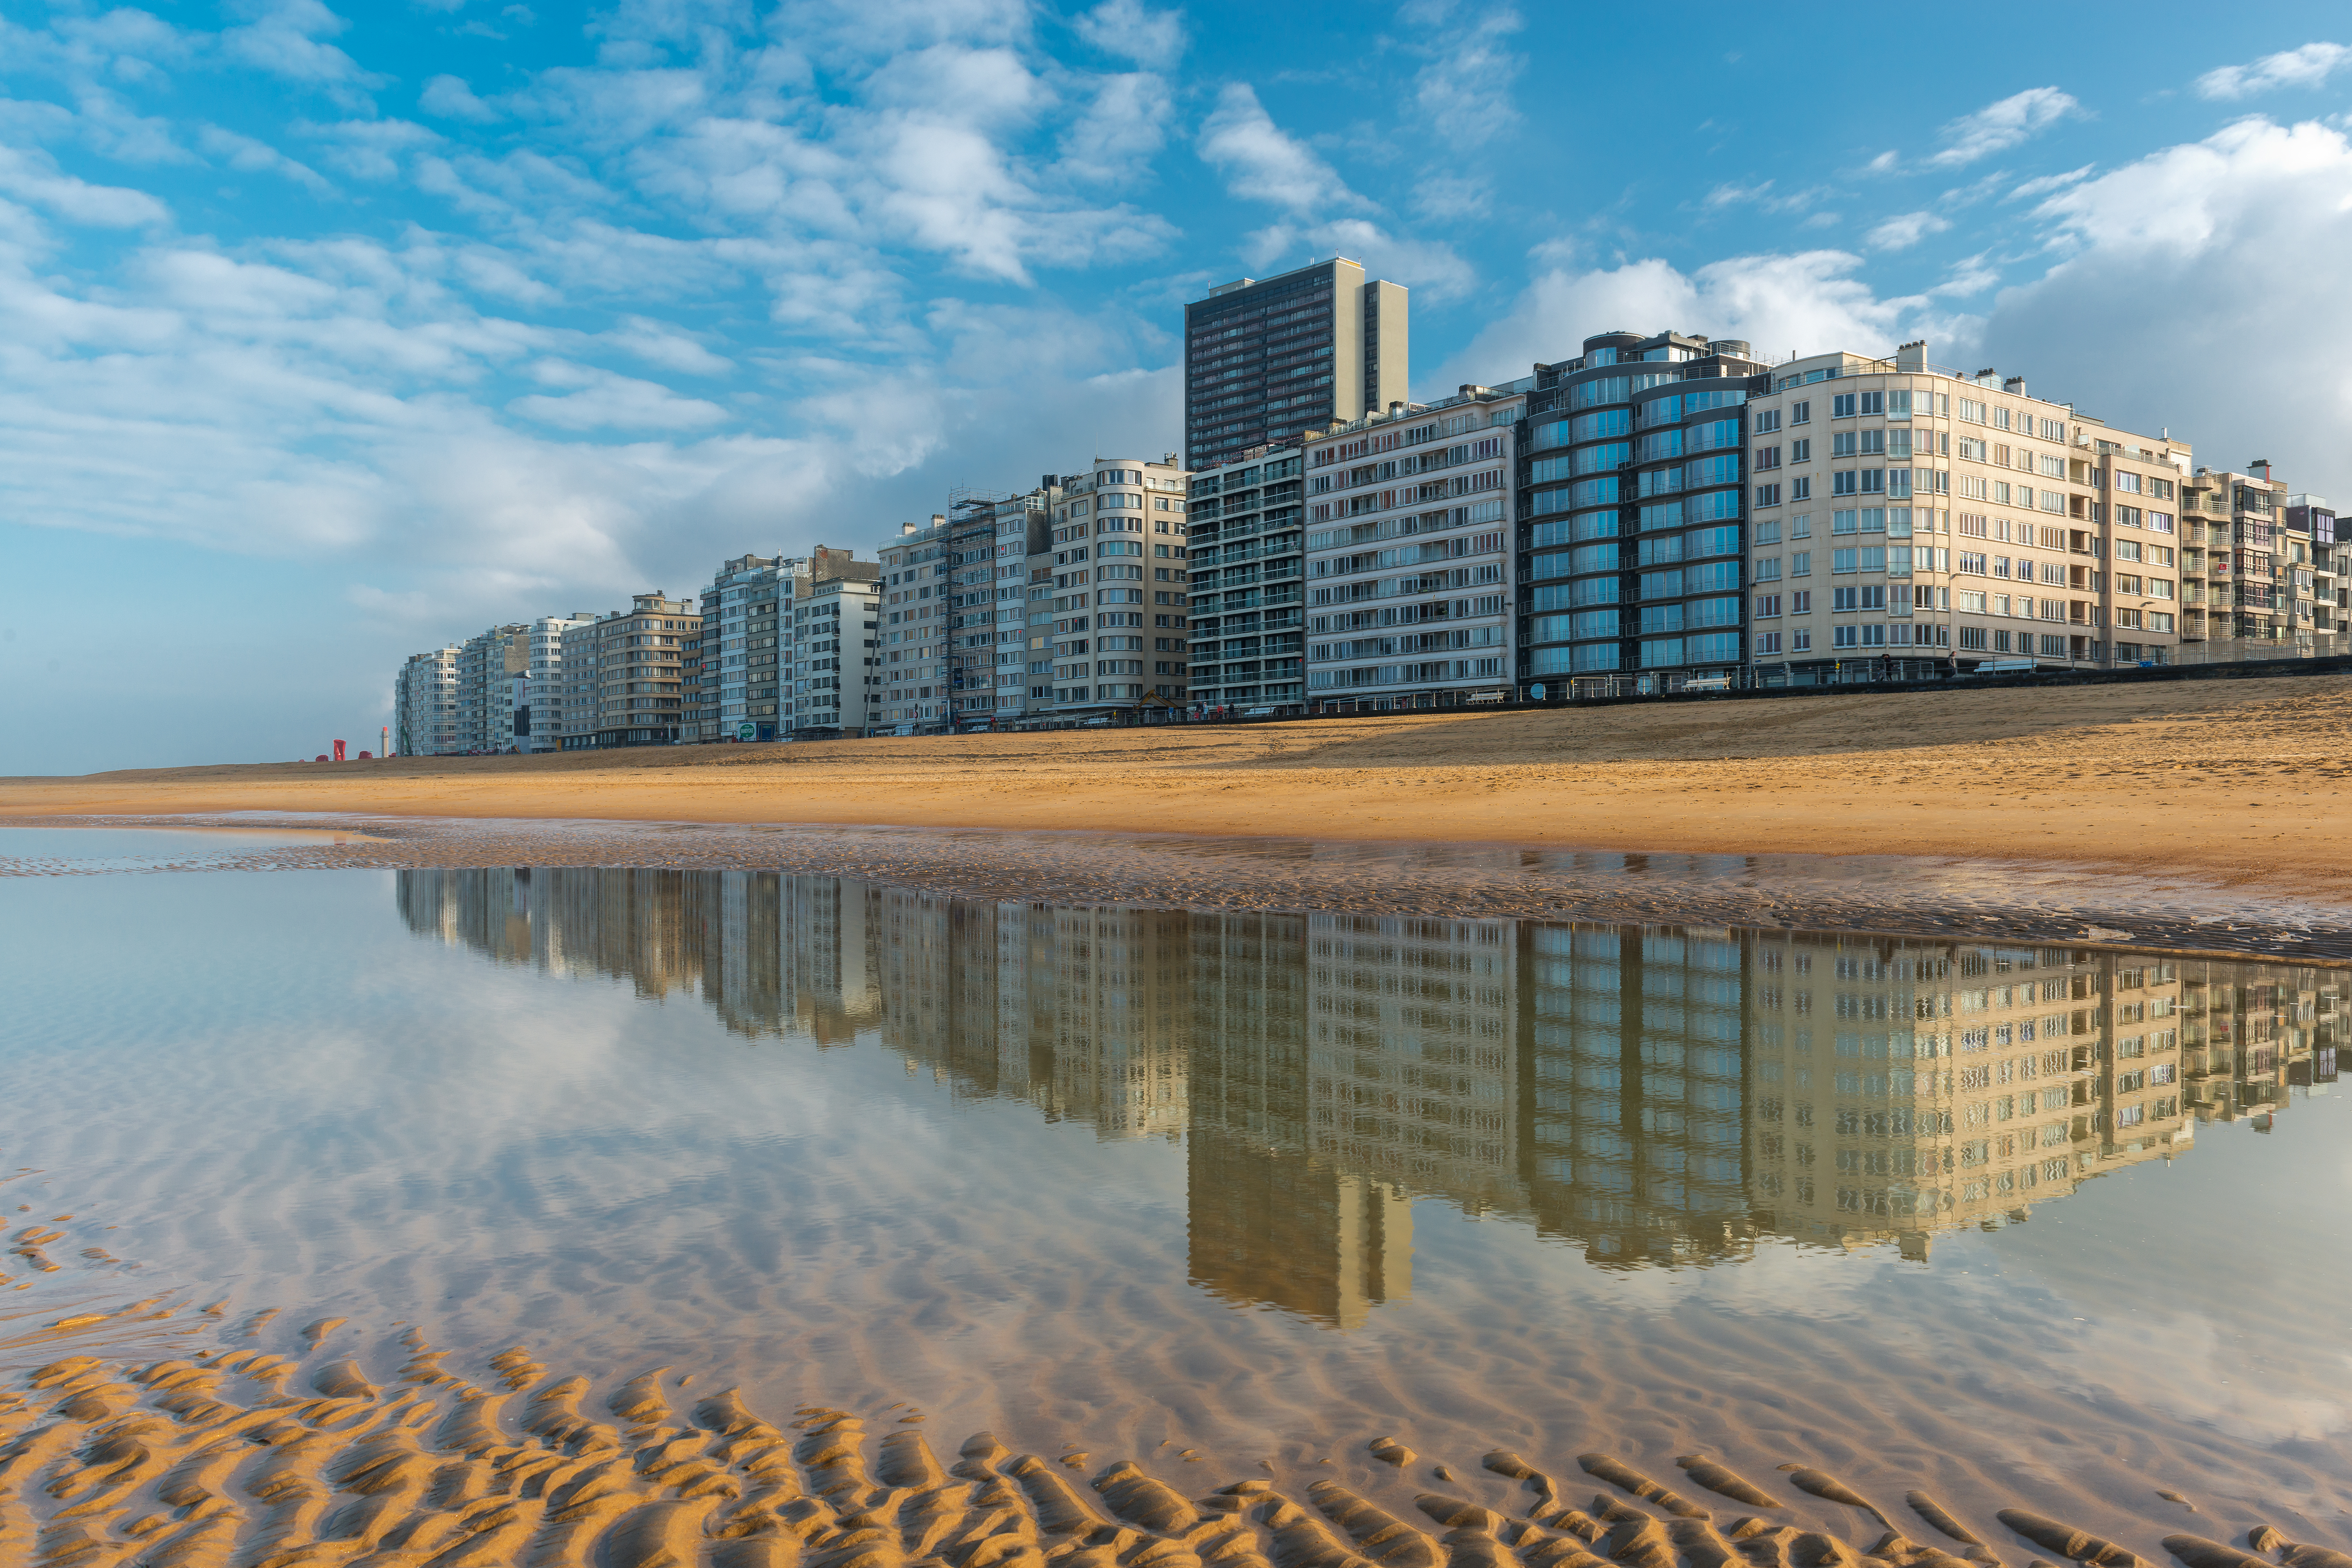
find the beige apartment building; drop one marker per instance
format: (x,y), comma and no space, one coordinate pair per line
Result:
(1909,520)
(631,677)
(918,572)
(2261,576)
(1095,643)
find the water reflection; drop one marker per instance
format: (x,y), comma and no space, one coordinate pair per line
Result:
(1654,1094)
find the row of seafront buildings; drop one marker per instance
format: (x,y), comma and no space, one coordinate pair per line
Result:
(1659,510)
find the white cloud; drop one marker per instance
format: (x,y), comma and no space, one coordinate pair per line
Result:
(2307,66)
(1430,268)
(590,398)
(1465,92)
(1805,303)
(2000,126)
(1763,195)
(1121,131)
(1906,230)
(448,98)
(1153,39)
(284,39)
(2043,185)
(1261,163)
(33,176)
(659,343)
(2187,258)
(371,149)
(245,153)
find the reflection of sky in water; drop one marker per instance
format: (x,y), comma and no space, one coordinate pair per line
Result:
(1236,1179)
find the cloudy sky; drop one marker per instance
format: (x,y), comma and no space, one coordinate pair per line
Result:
(334,333)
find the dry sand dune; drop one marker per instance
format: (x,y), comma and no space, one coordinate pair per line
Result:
(266,1459)
(2244,782)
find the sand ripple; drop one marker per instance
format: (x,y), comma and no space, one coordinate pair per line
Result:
(245,1458)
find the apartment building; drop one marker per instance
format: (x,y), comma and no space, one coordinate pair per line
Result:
(991,541)
(491,667)
(1632,515)
(742,622)
(424,704)
(1909,520)
(626,675)
(916,575)
(1269,359)
(1117,537)
(2315,565)
(538,716)
(834,653)
(1247,596)
(2265,584)
(1409,524)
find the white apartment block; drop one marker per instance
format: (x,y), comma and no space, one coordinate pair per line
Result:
(1409,524)
(832,659)
(424,704)
(539,715)
(1118,537)
(916,586)
(990,541)
(1908,521)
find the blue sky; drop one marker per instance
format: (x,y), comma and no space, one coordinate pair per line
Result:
(331,334)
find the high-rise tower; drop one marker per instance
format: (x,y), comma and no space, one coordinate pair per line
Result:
(1265,358)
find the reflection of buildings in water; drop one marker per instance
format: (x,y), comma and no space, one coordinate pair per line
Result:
(1901,1088)
(1269,1218)
(1635,1126)
(1656,1095)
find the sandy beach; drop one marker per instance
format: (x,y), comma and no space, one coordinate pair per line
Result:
(271,1448)
(2240,783)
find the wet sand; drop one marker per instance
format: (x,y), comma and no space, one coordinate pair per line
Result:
(2236,784)
(1951,896)
(266,1446)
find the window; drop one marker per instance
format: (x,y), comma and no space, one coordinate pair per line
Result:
(1800,451)
(1843,601)
(1972,638)
(1767,643)
(1844,442)
(1843,561)
(1768,606)
(1845,636)
(1767,495)
(1801,413)
(1800,603)
(1768,457)
(1800,563)
(1845,482)
(1801,641)
(1841,405)
(1802,488)
(1767,421)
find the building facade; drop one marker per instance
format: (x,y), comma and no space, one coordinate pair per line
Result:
(1634,512)
(1117,537)
(916,588)
(1247,539)
(634,661)
(424,704)
(2260,567)
(1266,359)
(539,717)
(833,653)
(1409,522)
(1909,520)
(741,682)
(991,541)
(491,667)
(2317,579)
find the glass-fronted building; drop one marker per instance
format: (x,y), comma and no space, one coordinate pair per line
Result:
(1634,515)
(1248,545)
